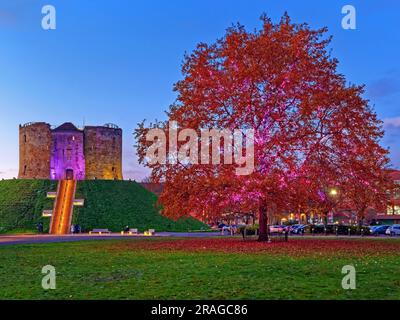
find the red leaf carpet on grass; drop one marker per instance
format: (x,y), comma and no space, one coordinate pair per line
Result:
(295,247)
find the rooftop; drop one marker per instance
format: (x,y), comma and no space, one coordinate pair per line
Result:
(67,126)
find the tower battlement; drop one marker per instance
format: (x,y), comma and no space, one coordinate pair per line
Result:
(66,152)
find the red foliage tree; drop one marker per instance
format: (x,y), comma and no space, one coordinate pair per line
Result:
(310,127)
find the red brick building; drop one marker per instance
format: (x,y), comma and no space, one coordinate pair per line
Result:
(392,213)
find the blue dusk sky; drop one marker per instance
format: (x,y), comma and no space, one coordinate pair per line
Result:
(116,61)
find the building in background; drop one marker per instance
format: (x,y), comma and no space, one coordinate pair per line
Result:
(66,152)
(391,214)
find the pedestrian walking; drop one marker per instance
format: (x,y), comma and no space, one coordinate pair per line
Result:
(40,227)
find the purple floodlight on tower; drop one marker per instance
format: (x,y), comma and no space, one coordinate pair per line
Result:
(67,153)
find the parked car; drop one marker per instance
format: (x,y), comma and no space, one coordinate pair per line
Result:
(221,225)
(342,229)
(376,230)
(371,229)
(298,229)
(393,230)
(366,230)
(317,228)
(329,229)
(277,229)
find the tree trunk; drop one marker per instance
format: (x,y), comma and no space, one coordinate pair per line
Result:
(360,220)
(326,218)
(263,221)
(361,215)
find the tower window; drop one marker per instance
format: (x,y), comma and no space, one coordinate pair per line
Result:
(24,169)
(113,142)
(25,138)
(69,154)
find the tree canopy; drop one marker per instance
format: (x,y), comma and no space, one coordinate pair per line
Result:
(312,131)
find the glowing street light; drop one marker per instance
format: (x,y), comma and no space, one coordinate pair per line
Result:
(333,192)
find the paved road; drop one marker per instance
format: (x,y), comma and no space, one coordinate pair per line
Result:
(45,238)
(37,239)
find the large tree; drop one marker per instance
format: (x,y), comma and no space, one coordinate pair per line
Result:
(310,126)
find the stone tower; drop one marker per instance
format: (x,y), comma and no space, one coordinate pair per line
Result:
(34,151)
(103,152)
(66,152)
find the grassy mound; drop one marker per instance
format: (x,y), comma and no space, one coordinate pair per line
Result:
(115,204)
(22,203)
(108,204)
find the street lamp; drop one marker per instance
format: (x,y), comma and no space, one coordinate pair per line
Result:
(333,192)
(334,197)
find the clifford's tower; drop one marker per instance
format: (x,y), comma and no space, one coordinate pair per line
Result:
(66,152)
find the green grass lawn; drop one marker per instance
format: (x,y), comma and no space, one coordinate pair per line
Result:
(137,269)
